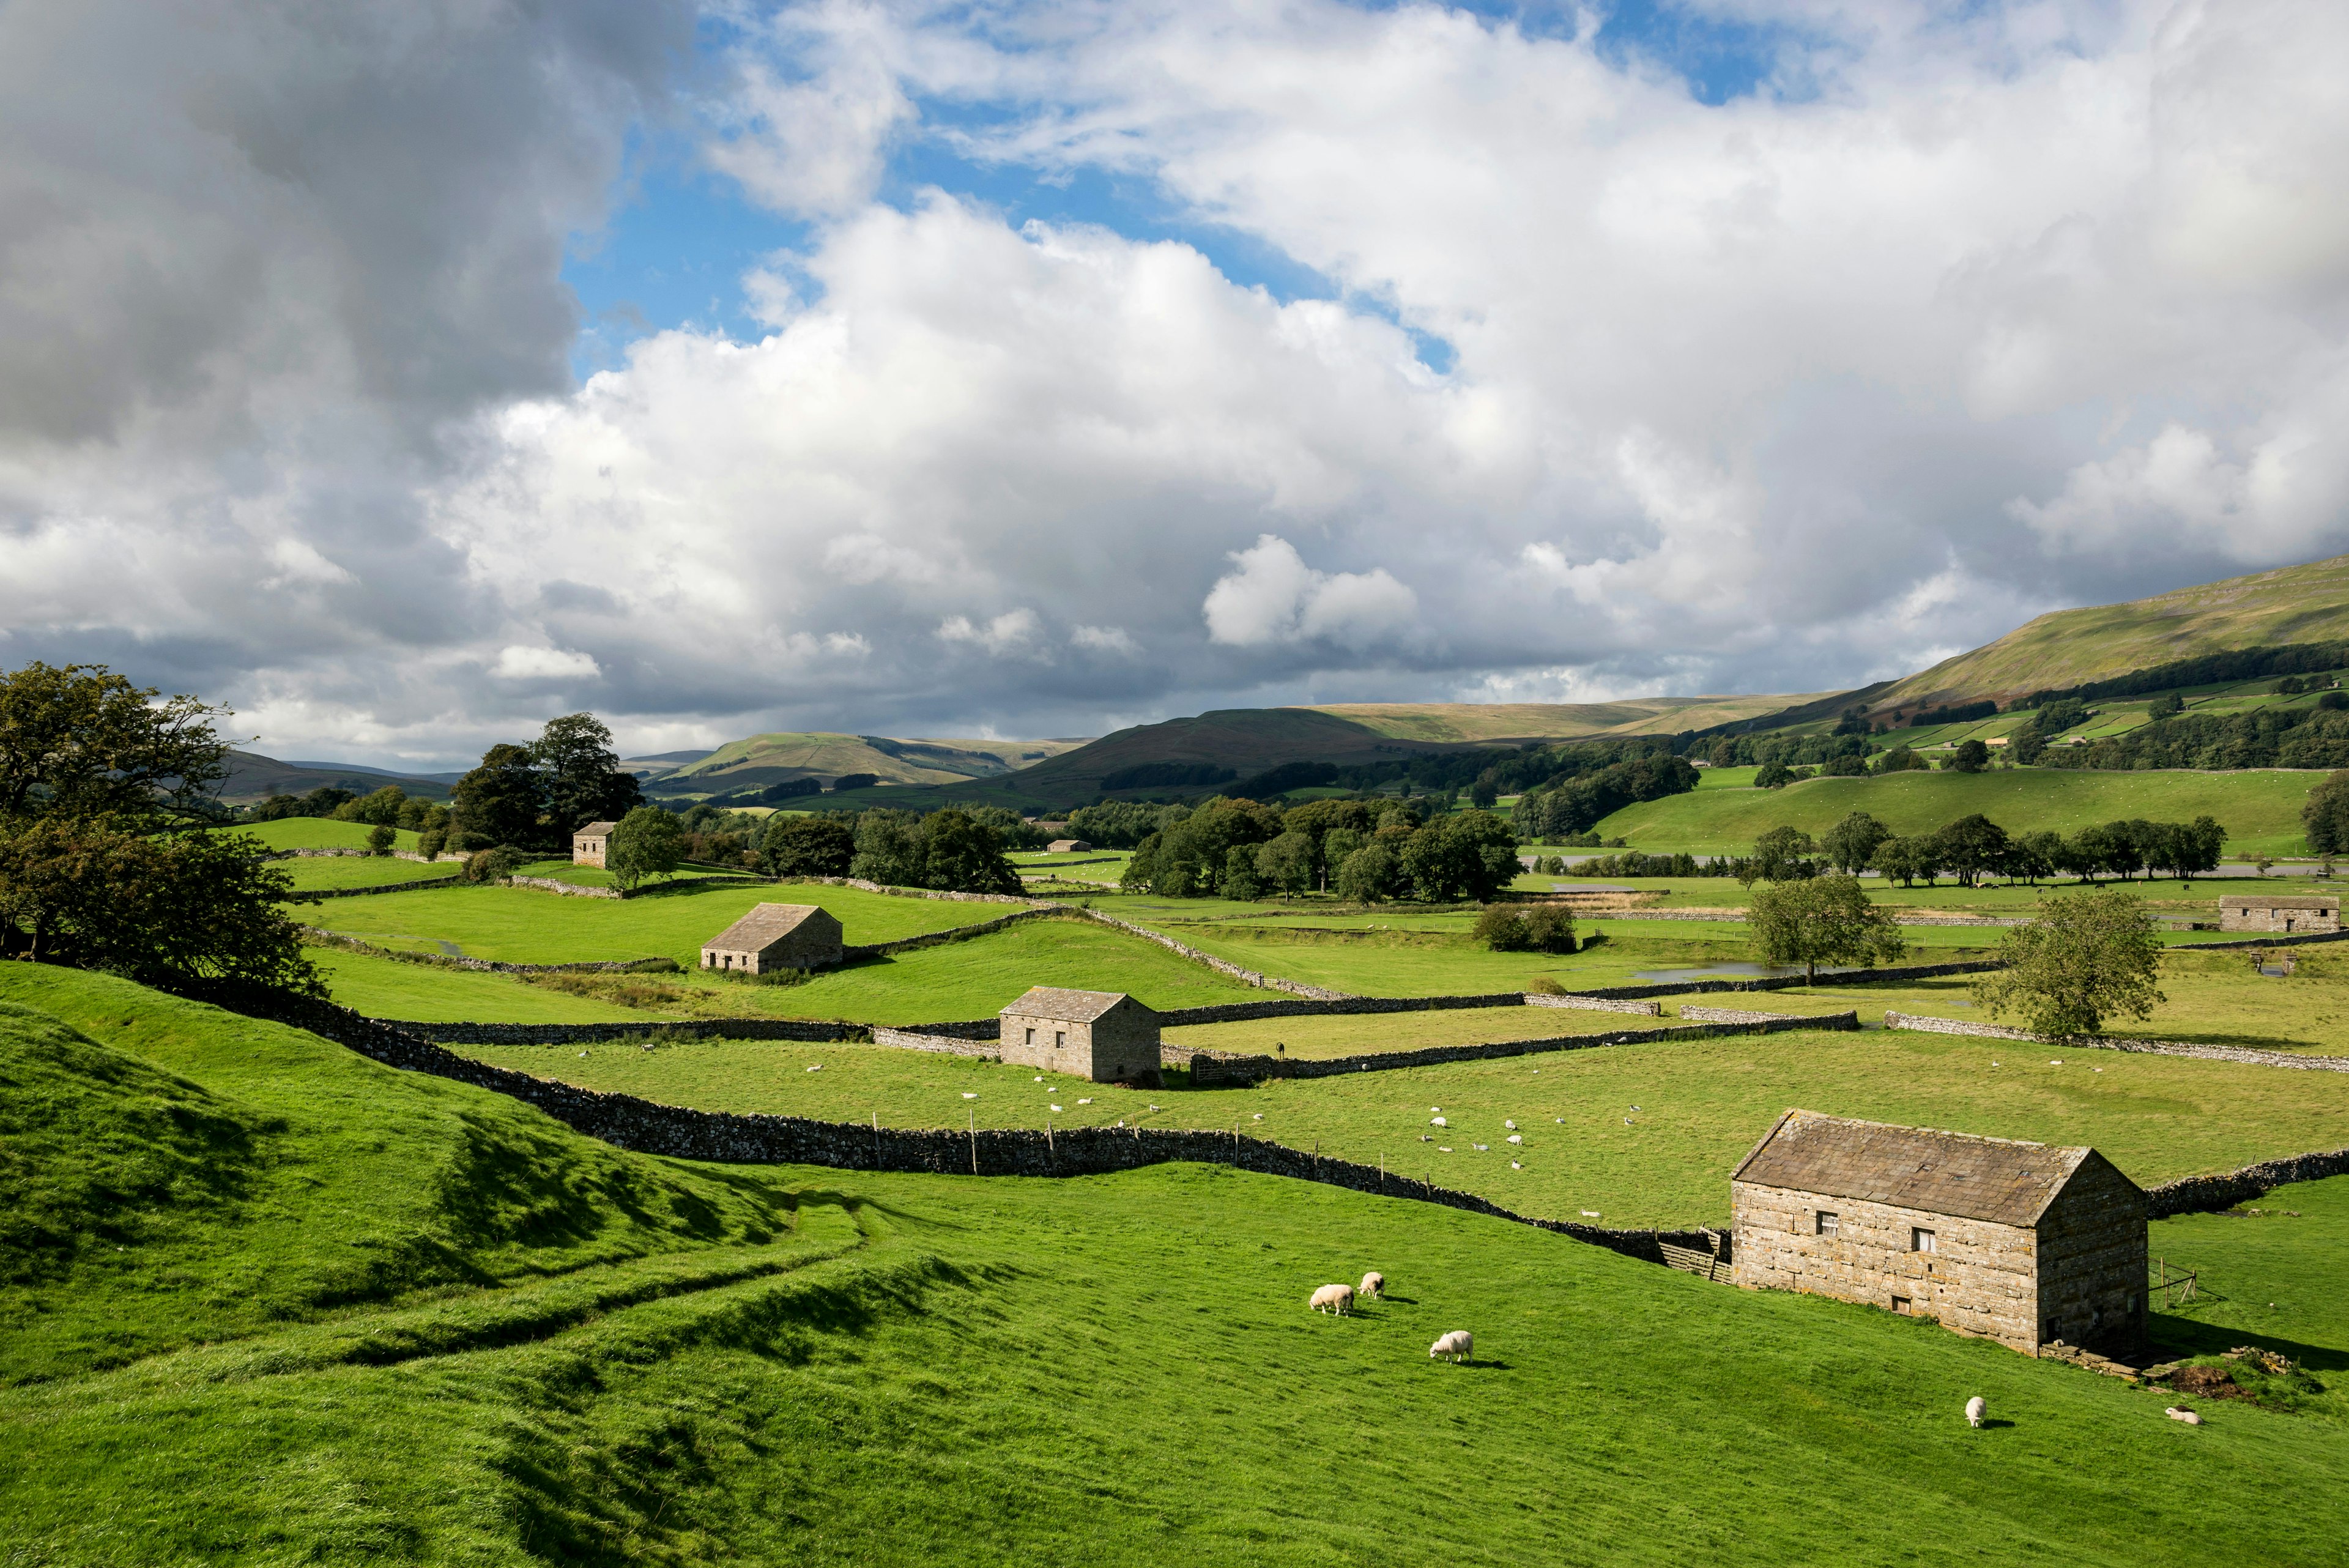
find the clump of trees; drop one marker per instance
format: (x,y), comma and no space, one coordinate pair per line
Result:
(1825,919)
(108,795)
(2088,956)
(1365,851)
(1536,928)
(951,850)
(535,796)
(1576,806)
(390,806)
(2325,817)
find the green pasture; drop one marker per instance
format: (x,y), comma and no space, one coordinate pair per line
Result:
(530,925)
(2269,1275)
(317,833)
(2258,808)
(388,987)
(315,872)
(562,869)
(1701,1103)
(271,1303)
(1315,1038)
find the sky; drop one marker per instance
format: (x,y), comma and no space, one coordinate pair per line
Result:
(400,377)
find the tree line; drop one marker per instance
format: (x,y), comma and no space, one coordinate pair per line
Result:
(1364,851)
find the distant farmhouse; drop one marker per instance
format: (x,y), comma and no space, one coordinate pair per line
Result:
(1068,847)
(588,845)
(775,937)
(2272,912)
(1103,1035)
(2025,1243)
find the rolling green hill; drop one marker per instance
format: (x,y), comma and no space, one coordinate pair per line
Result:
(268,1302)
(1494,723)
(2067,648)
(2260,808)
(253,777)
(761,759)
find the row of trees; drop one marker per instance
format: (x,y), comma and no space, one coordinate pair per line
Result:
(105,791)
(1365,851)
(1973,848)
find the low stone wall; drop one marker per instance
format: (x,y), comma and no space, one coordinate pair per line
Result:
(323,938)
(2296,939)
(305,894)
(1217,1069)
(853,950)
(1740,1015)
(575,890)
(1221,966)
(2210,1194)
(862,885)
(361,854)
(1592,1003)
(914,1040)
(1740,916)
(1350,1006)
(2113,1042)
(590,1033)
(1790,982)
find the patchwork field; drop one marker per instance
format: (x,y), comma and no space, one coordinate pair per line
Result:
(1701,1105)
(342,1314)
(2259,809)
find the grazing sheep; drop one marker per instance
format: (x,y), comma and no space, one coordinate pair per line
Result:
(2189,1416)
(1374,1285)
(1974,1409)
(1457,1346)
(1336,1299)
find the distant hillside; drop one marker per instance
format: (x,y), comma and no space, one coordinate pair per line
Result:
(1492,723)
(2069,648)
(774,759)
(252,776)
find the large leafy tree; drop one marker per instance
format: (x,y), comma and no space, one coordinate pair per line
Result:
(1470,856)
(501,801)
(580,777)
(1850,845)
(1821,920)
(2327,816)
(1972,847)
(820,844)
(964,855)
(79,740)
(2088,956)
(648,842)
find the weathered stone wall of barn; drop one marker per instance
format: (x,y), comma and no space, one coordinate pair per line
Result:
(2091,1260)
(1980,1278)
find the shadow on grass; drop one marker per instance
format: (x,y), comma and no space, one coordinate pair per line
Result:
(2179,1337)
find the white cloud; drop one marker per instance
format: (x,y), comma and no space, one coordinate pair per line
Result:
(516,662)
(1275,597)
(1105,639)
(1014,633)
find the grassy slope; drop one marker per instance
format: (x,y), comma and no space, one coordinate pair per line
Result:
(2259,810)
(2270,1278)
(2294,604)
(1494,722)
(386,988)
(1702,1103)
(763,759)
(343,871)
(319,832)
(523,925)
(1093,1371)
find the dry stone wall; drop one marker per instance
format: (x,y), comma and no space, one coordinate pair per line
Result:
(2113,1042)
(1221,966)
(1740,1015)
(1592,1003)
(323,938)
(984,1050)
(587,1034)
(306,895)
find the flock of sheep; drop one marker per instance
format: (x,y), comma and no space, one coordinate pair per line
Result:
(1457,1347)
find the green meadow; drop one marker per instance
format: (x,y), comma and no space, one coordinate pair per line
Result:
(319,832)
(2258,808)
(313,873)
(1700,1105)
(270,1303)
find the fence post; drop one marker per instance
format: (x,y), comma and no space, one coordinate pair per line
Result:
(974,1143)
(1049,1152)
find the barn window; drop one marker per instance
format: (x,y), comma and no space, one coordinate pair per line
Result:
(1920,1240)
(1900,1305)
(1031,1038)
(1059,1038)
(1826,1223)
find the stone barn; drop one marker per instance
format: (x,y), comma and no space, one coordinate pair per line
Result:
(2025,1243)
(775,936)
(2279,913)
(1103,1035)
(1068,847)
(588,845)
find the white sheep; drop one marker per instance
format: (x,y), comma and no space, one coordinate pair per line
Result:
(2189,1416)
(1974,1409)
(1374,1285)
(1457,1346)
(1336,1299)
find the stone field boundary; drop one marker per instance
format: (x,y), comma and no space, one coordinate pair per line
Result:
(649,1126)
(2115,1042)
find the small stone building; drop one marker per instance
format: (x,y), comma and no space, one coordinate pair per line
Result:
(2279,913)
(776,937)
(1103,1035)
(1068,847)
(2025,1243)
(588,845)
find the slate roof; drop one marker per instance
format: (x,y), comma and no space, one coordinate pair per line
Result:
(2275,901)
(1998,1179)
(1074,1006)
(765,923)
(602,828)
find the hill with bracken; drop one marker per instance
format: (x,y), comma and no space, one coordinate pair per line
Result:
(761,759)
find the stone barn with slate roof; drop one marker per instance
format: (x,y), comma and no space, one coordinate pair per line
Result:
(1103,1035)
(2279,913)
(588,845)
(2025,1243)
(776,937)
